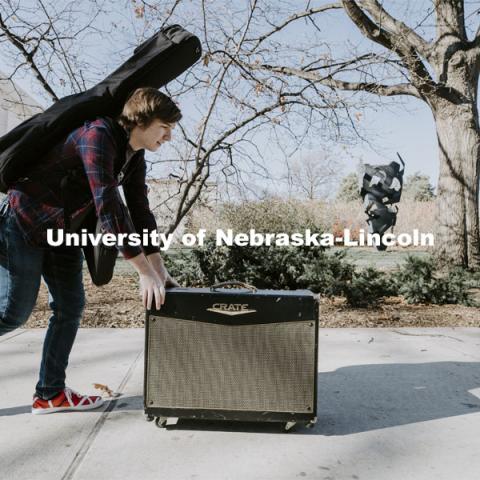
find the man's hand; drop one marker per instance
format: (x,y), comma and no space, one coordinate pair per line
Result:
(152,285)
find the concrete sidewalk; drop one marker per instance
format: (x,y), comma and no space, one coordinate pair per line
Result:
(393,404)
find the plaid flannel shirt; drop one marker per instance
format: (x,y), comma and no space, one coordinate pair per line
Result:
(101,149)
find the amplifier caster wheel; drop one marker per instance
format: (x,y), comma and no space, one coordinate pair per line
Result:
(311,423)
(161,422)
(289,425)
(149,418)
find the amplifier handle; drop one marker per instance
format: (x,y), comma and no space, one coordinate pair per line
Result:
(233,283)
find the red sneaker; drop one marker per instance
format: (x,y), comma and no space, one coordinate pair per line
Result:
(68,399)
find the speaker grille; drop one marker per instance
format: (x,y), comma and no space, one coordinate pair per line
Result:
(262,367)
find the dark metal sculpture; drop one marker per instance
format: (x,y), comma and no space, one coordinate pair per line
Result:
(381,188)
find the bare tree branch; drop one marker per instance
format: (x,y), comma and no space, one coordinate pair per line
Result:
(450,19)
(420,77)
(292,18)
(328,81)
(29,58)
(170,13)
(476,39)
(400,29)
(64,55)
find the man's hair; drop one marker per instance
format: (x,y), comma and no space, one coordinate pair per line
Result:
(146,105)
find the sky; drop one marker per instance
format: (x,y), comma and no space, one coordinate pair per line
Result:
(406,127)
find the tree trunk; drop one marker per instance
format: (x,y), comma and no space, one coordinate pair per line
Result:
(457,237)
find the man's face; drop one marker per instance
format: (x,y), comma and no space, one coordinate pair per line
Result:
(151,137)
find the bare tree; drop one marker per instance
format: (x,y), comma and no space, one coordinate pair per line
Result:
(313,176)
(442,71)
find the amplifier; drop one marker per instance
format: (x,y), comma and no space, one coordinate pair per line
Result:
(232,354)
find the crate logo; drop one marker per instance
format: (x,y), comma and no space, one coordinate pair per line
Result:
(230,308)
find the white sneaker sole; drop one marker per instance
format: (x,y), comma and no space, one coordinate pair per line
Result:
(45,411)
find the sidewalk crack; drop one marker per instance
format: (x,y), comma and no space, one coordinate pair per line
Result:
(83,450)
(12,336)
(427,335)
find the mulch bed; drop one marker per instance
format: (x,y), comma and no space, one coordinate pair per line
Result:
(118,305)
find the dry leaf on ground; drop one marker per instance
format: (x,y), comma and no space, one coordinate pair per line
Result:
(106,390)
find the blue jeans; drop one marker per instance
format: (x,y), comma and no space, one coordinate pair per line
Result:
(21,268)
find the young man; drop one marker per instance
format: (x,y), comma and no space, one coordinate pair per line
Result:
(105,152)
